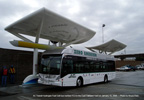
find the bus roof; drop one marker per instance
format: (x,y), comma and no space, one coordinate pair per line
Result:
(76,52)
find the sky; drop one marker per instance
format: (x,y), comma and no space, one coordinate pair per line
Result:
(123,19)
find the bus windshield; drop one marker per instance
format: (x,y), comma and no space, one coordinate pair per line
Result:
(50,65)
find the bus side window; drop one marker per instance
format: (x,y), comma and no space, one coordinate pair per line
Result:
(111,65)
(86,66)
(67,67)
(92,66)
(97,66)
(77,68)
(78,65)
(102,66)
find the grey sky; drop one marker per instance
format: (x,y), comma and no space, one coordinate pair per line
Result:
(124,19)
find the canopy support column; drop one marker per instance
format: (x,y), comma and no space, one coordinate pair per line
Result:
(35,53)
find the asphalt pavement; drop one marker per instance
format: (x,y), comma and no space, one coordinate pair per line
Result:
(126,86)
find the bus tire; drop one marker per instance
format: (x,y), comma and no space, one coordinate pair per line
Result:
(79,82)
(105,79)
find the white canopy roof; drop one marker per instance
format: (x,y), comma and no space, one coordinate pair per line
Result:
(53,27)
(111,46)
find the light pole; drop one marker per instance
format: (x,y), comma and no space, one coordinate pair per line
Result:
(103,33)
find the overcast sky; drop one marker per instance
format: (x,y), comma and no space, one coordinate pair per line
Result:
(124,19)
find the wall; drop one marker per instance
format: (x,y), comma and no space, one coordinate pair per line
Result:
(22,61)
(132,63)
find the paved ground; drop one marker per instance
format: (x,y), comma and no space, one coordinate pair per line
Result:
(126,86)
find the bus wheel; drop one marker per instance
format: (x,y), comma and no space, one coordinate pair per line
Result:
(79,82)
(105,79)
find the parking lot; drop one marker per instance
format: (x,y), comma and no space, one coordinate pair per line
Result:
(126,86)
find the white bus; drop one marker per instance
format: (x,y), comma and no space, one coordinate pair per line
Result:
(72,67)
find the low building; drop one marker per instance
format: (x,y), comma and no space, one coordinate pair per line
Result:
(129,59)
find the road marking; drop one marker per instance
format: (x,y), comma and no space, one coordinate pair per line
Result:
(27,98)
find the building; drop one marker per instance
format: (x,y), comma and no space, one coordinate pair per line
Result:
(21,60)
(129,59)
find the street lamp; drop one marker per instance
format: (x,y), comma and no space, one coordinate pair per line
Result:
(103,33)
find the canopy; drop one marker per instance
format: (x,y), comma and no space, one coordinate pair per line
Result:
(53,27)
(111,46)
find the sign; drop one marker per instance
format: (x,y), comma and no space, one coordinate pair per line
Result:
(85,53)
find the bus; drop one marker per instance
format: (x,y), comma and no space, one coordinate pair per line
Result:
(73,67)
